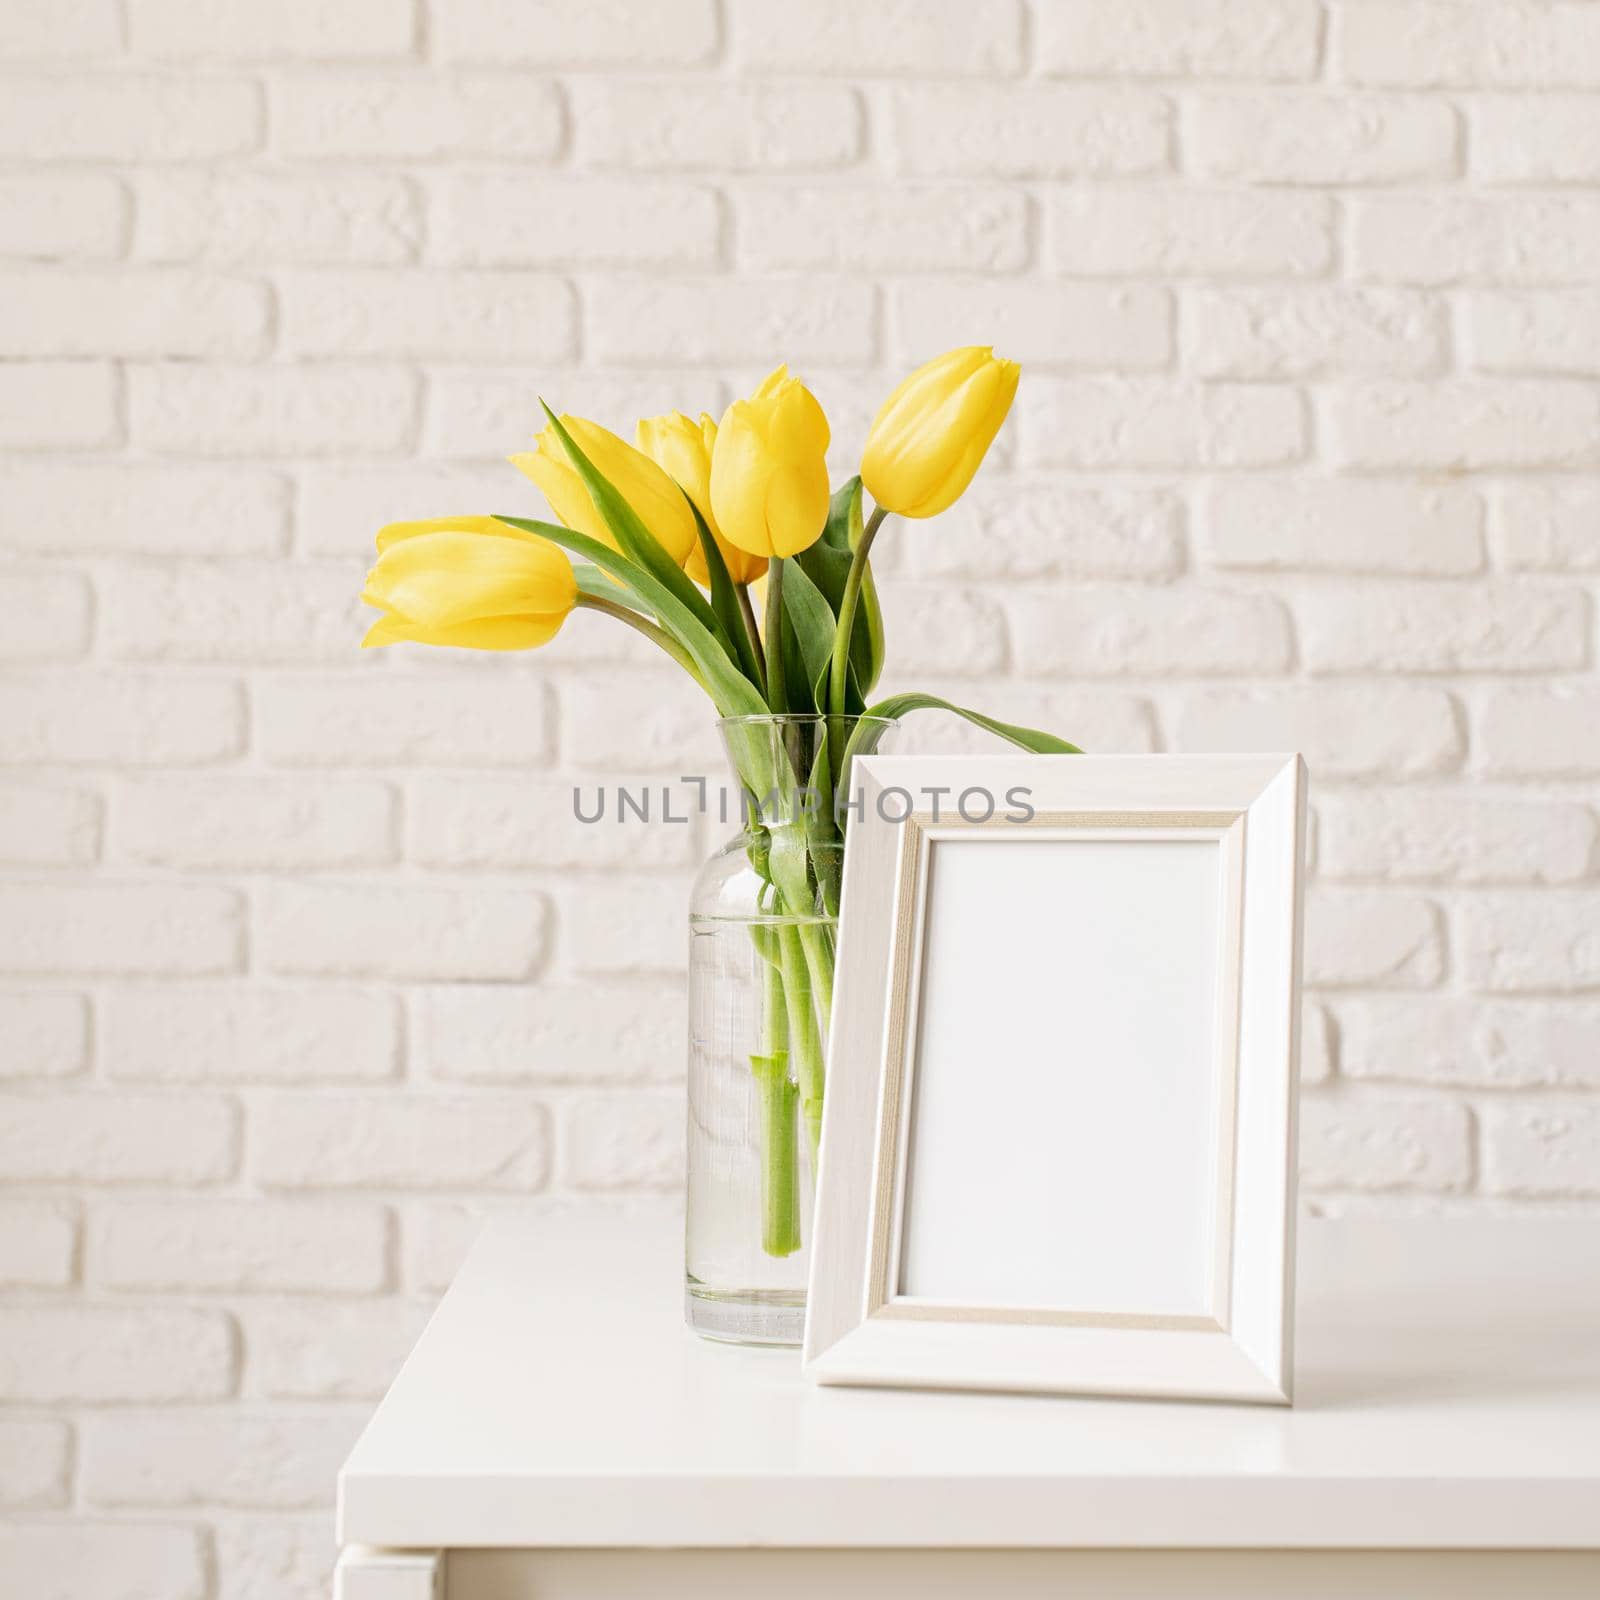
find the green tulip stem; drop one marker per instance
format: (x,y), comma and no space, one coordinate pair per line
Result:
(657,636)
(805,1038)
(777,697)
(839,668)
(748,612)
(780,1169)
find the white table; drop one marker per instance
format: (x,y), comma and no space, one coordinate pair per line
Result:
(558,1433)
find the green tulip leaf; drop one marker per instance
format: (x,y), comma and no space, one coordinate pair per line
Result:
(725,602)
(897,705)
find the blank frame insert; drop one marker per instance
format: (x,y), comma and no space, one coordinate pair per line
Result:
(1064,1071)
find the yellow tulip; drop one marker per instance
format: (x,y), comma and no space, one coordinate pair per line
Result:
(472,582)
(933,431)
(655,498)
(769,479)
(682,448)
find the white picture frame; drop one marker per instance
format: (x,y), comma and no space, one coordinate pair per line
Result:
(1059,1138)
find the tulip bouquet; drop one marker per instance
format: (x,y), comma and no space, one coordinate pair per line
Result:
(671,537)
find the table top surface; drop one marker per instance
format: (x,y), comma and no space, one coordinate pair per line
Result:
(1447,1395)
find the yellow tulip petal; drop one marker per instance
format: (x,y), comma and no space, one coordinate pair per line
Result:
(394,532)
(932,433)
(441,579)
(485,633)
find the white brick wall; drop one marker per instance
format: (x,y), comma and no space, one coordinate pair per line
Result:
(304,964)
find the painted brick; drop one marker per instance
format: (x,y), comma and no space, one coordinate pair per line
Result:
(1138,423)
(1474,238)
(484,414)
(48,616)
(1532,943)
(1088,325)
(230,1459)
(317,1351)
(1343,730)
(254,822)
(1546,527)
(718,320)
(913,228)
(102,508)
(342,1142)
(1312,332)
(35,1467)
(597,1031)
(1384,1145)
(58,405)
(1341,525)
(639,722)
(944,628)
(296,29)
(457,316)
(1449,425)
(1359,937)
(632,1142)
(126,720)
(340,509)
(45,1035)
(37,29)
(1545,1147)
(722,127)
(1525,330)
(1317,1045)
(1224,233)
(47,825)
(1254,39)
(1539,733)
(604,33)
(38,1250)
(1023,529)
(1454,838)
(65,216)
(1420,627)
(1471,1043)
(1535,138)
(507,823)
(626,928)
(113,1138)
(244,411)
(1493,43)
(275,1558)
(101,1354)
(474,719)
(110,1560)
(505,219)
(253,1034)
(129,118)
(964,38)
(420,117)
(1128,632)
(124,927)
(243,611)
(294,218)
(1030,130)
(1320,139)
(240,1246)
(79,312)
(401,931)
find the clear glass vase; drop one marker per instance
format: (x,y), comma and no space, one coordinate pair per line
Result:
(762,926)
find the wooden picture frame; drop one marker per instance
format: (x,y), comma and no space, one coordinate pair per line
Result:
(1059,1136)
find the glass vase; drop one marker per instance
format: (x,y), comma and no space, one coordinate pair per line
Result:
(762,933)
